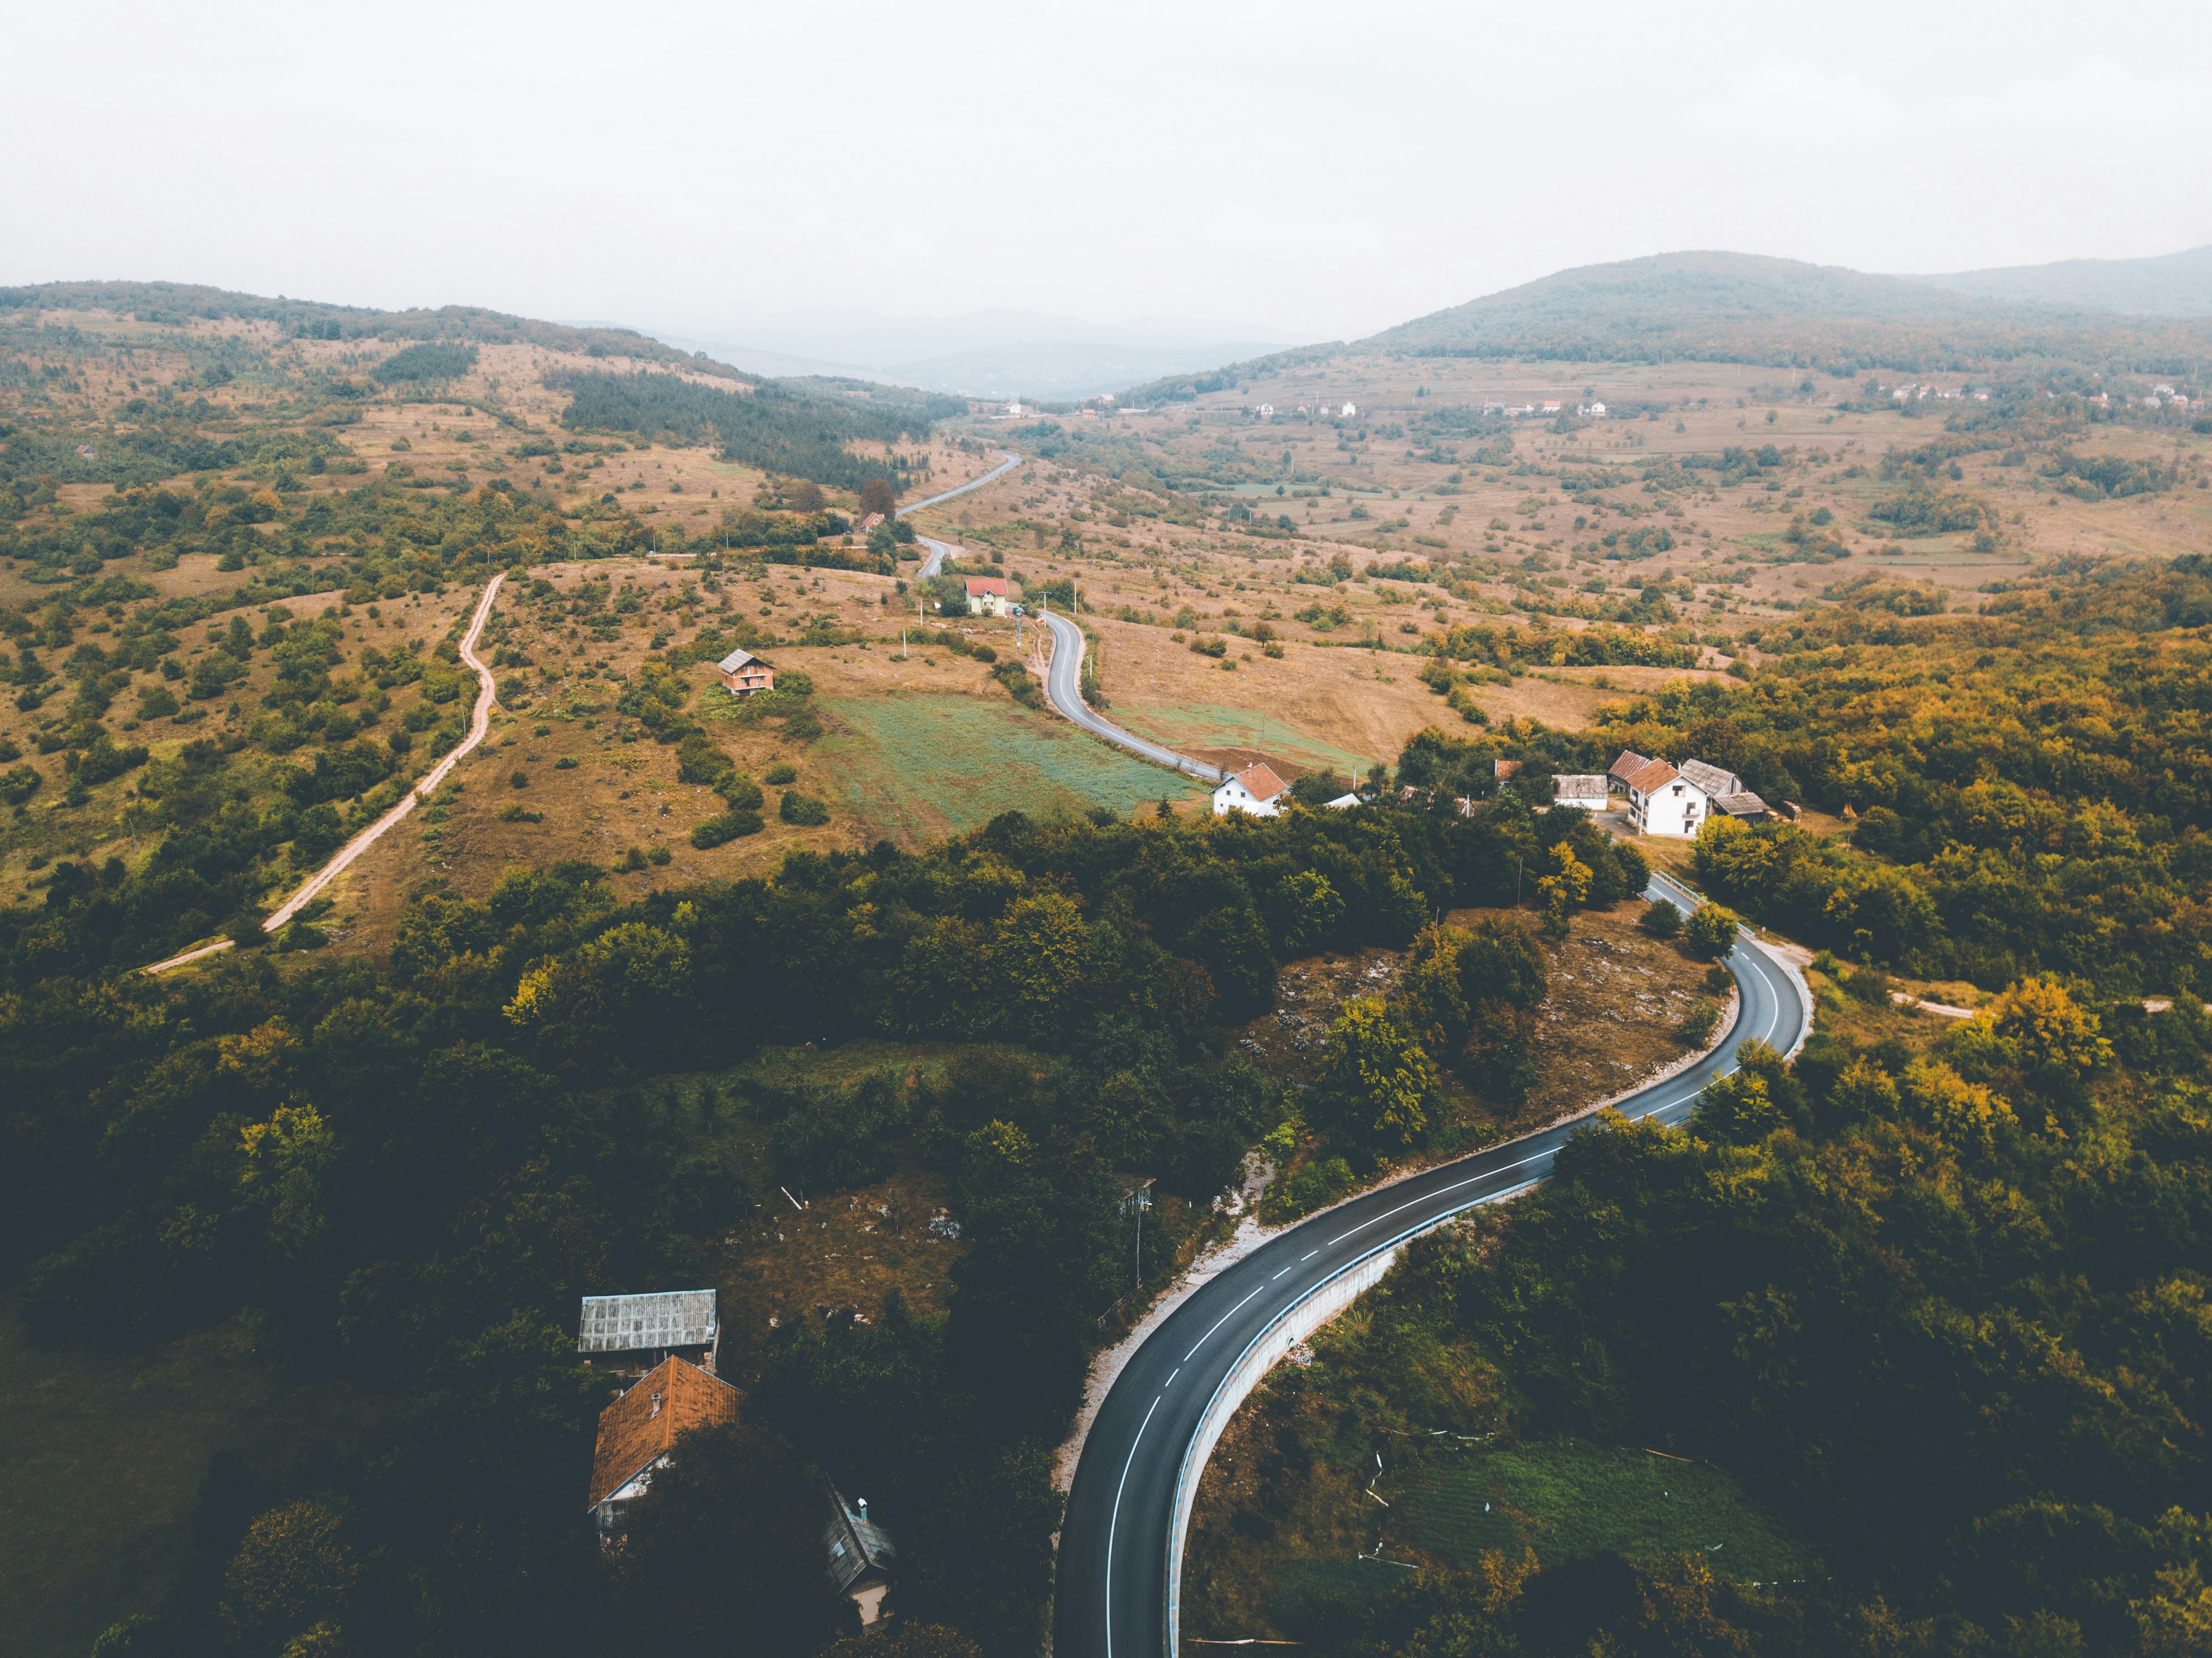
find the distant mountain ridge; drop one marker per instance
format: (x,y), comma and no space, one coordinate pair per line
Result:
(1718,306)
(2166,285)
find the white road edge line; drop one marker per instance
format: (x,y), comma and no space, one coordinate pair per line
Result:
(1116,1519)
(1502,1168)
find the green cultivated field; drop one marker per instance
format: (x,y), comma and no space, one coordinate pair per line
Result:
(918,766)
(1568,1498)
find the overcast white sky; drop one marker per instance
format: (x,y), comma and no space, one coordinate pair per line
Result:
(1323,170)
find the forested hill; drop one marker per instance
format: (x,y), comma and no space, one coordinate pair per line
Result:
(2168,285)
(176,303)
(1746,307)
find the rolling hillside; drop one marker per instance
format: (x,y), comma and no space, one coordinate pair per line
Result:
(1750,308)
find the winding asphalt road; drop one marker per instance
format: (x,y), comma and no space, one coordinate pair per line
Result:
(1062,683)
(1120,1558)
(938,552)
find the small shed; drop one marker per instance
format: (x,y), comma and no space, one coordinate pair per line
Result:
(1744,806)
(630,1335)
(861,1553)
(1578,789)
(743,673)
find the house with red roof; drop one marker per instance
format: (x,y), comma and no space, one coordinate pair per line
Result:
(1256,791)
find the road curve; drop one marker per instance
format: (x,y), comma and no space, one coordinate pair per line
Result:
(1062,683)
(938,552)
(479,723)
(1120,1557)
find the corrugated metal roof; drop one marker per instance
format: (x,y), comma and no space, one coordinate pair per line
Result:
(1739,806)
(1711,780)
(666,1318)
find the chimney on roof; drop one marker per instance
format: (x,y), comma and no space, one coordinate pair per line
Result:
(656,1406)
(864,1507)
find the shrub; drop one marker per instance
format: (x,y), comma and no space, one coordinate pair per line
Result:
(658,855)
(780,773)
(1661,919)
(839,1139)
(1711,931)
(519,777)
(730,826)
(514,813)
(1870,986)
(566,762)
(1697,1026)
(803,810)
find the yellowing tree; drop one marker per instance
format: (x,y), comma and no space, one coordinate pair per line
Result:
(1375,1082)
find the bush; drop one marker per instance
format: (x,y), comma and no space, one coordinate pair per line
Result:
(1314,1186)
(780,773)
(730,826)
(658,855)
(1868,984)
(1697,1026)
(514,812)
(803,810)
(566,762)
(1711,931)
(1661,921)
(519,777)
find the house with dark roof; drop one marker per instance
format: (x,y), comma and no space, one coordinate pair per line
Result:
(1626,767)
(861,1553)
(640,1430)
(630,1335)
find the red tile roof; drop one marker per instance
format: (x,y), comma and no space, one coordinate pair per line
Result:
(636,1430)
(1654,775)
(987,584)
(1263,783)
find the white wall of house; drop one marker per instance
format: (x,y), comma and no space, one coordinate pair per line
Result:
(1233,796)
(1678,808)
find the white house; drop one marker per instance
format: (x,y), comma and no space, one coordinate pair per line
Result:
(1255,790)
(1265,411)
(1664,801)
(1349,411)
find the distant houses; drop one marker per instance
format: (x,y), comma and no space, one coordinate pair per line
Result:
(1256,791)
(743,673)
